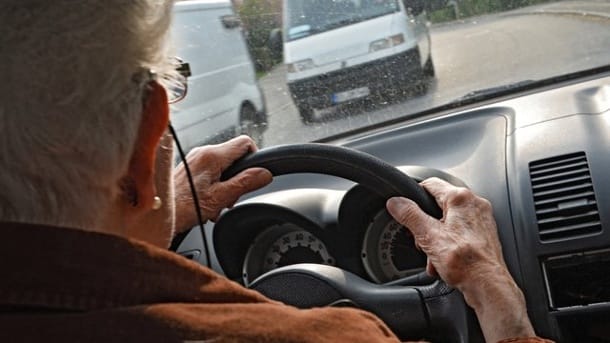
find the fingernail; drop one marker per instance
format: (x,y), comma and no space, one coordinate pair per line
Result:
(396,203)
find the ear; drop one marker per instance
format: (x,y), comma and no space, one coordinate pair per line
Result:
(141,173)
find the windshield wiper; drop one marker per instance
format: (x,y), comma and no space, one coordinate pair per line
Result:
(305,33)
(484,93)
(342,22)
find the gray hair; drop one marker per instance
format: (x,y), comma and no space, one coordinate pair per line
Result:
(71,103)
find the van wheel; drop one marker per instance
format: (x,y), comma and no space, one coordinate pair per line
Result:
(306,113)
(249,126)
(429,68)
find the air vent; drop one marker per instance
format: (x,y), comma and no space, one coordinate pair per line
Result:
(564,197)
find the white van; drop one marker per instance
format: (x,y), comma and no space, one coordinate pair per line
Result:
(337,51)
(223,98)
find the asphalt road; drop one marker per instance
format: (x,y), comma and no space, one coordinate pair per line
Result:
(477,53)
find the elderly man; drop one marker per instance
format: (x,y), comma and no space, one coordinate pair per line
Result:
(89,200)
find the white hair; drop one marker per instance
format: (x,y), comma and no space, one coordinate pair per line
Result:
(71,103)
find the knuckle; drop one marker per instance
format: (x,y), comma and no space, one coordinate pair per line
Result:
(194,152)
(428,183)
(484,204)
(460,196)
(241,140)
(431,180)
(243,137)
(241,183)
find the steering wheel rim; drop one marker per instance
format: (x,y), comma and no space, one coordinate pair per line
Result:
(438,302)
(369,171)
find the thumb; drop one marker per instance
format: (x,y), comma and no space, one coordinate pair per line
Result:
(408,213)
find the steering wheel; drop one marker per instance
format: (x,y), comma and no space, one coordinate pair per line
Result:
(411,310)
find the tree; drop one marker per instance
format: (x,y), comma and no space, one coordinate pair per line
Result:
(259,17)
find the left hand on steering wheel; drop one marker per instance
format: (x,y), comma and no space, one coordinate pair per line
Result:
(207,164)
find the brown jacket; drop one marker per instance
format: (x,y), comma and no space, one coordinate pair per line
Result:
(69,285)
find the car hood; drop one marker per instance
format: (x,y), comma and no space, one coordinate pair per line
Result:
(342,43)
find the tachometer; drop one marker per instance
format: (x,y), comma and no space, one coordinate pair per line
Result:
(283,245)
(388,250)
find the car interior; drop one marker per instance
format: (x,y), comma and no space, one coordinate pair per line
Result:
(537,149)
(319,235)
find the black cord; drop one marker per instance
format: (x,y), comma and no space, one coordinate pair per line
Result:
(195,198)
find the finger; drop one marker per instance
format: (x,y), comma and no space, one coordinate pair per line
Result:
(226,193)
(408,213)
(253,146)
(438,188)
(234,149)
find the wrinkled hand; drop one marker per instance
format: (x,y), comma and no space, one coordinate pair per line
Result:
(460,246)
(207,164)
(464,249)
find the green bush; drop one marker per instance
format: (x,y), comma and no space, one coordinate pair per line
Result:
(470,8)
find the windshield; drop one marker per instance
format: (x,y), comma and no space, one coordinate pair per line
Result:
(295,71)
(307,17)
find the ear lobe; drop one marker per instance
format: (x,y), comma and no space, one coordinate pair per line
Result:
(155,118)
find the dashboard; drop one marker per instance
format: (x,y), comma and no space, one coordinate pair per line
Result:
(351,230)
(541,157)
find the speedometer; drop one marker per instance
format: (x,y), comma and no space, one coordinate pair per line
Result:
(283,245)
(388,250)
(296,247)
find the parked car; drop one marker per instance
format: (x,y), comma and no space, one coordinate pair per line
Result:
(224,99)
(339,51)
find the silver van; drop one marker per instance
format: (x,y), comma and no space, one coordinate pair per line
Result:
(224,99)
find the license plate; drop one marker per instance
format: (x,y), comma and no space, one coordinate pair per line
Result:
(350,94)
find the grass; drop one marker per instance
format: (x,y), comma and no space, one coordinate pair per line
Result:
(260,74)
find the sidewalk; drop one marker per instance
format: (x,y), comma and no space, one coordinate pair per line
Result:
(600,8)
